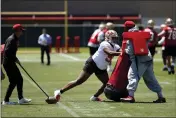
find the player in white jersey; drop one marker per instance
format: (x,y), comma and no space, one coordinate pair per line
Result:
(96,64)
(101,37)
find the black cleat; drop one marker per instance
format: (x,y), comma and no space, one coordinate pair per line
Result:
(172,70)
(165,69)
(160,100)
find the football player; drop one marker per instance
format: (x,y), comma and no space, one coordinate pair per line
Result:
(169,33)
(94,41)
(96,64)
(153,40)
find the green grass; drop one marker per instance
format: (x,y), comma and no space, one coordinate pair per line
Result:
(76,101)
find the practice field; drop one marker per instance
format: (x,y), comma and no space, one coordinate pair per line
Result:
(75,103)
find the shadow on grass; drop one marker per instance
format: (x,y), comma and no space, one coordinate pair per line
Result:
(142,102)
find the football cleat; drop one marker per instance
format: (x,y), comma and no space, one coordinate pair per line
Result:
(95,99)
(24,101)
(165,69)
(172,70)
(129,99)
(160,100)
(57,95)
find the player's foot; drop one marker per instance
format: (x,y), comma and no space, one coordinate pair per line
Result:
(160,100)
(172,70)
(57,95)
(165,68)
(8,103)
(24,100)
(93,98)
(128,99)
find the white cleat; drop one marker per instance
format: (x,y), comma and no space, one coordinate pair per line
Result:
(8,103)
(24,101)
(57,95)
(95,99)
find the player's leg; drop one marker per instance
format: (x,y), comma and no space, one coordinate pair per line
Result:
(81,79)
(84,75)
(134,74)
(103,77)
(152,83)
(164,61)
(42,54)
(173,61)
(12,83)
(133,79)
(48,54)
(168,58)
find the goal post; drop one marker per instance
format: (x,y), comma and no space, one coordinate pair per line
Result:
(33,13)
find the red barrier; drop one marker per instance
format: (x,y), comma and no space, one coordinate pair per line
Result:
(58,42)
(68,45)
(77,43)
(50,48)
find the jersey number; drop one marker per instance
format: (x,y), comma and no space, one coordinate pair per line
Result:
(172,35)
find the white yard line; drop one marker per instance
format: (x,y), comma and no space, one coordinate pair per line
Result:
(69,56)
(69,110)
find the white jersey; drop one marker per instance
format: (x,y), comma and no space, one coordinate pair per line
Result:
(100,56)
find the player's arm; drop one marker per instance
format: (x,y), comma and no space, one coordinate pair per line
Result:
(161,41)
(161,33)
(111,53)
(39,40)
(101,37)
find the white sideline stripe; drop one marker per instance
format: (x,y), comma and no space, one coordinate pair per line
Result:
(69,56)
(70,111)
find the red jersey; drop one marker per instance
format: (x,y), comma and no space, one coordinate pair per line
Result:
(154,36)
(170,36)
(94,36)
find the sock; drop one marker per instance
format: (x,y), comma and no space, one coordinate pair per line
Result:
(169,69)
(173,64)
(160,95)
(165,66)
(131,93)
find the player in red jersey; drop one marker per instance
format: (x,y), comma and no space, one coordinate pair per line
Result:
(169,32)
(153,40)
(94,40)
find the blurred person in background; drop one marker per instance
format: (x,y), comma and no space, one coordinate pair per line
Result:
(2,52)
(45,41)
(153,40)
(161,42)
(95,39)
(12,71)
(169,33)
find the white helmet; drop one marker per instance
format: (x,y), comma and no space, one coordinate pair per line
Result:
(109,25)
(150,23)
(162,26)
(101,26)
(111,36)
(169,22)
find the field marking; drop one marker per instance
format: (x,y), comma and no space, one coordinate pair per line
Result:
(69,56)
(69,110)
